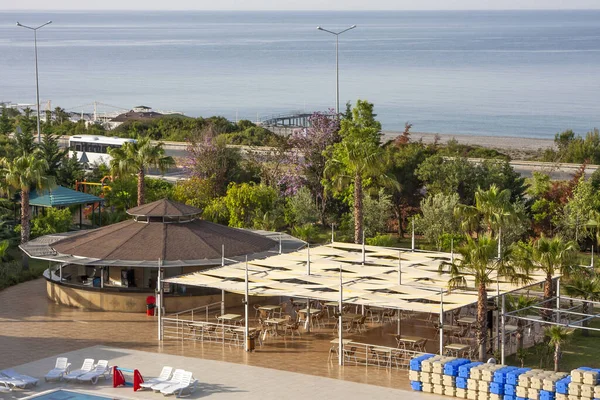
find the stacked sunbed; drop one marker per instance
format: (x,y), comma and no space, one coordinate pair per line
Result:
(464,379)
(179,382)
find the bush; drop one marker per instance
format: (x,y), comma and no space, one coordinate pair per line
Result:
(51,220)
(109,218)
(382,240)
(301,208)
(306,232)
(12,273)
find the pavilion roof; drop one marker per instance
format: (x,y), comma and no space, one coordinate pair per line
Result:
(60,196)
(373,282)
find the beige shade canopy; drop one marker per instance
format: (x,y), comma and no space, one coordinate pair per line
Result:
(374,283)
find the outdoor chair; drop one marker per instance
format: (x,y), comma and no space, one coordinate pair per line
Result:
(175,380)
(186,385)
(293,328)
(86,367)
(400,358)
(256,310)
(60,368)
(350,354)
(100,370)
(164,376)
(421,345)
(360,324)
(10,377)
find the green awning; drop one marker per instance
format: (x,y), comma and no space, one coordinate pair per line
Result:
(60,196)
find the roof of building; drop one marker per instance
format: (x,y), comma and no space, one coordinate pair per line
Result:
(383,277)
(164,208)
(60,196)
(142,242)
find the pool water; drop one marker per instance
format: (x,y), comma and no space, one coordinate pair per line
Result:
(70,395)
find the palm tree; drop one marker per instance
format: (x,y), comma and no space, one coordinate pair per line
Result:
(357,156)
(557,336)
(22,174)
(478,263)
(520,305)
(135,158)
(586,286)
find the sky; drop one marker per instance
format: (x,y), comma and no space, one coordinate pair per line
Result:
(297,4)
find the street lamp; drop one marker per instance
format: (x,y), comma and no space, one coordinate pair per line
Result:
(37,85)
(337,69)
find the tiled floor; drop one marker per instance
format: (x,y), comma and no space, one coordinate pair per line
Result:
(32,328)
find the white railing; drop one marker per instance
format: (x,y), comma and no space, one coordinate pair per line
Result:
(179,329)
(371,355)
(198,313)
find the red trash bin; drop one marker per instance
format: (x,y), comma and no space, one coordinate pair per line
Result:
(150,305)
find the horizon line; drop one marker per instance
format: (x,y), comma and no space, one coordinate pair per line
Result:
(299,10)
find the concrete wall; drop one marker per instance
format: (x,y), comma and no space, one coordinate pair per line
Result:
(102,300)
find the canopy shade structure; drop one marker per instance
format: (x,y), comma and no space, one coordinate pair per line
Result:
(375,283)
(60,196)
(169,232)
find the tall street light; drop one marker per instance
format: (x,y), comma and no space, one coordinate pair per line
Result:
(37,84)
(337,65)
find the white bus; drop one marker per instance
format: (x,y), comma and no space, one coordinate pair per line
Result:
(92,150)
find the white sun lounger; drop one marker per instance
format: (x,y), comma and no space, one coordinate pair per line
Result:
(15,376)
(86,367)
(187,385)
(62,367)
(101,369)
(164,376)
(175,379)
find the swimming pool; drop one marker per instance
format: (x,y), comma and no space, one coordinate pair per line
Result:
(69,395)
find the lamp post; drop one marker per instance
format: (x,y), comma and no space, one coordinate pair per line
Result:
(337,64)
(37,85)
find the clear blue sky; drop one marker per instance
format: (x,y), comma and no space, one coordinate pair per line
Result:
(297,4)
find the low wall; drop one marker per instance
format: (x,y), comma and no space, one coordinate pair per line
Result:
(122,301)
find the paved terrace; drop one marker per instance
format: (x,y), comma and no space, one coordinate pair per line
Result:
(32,328)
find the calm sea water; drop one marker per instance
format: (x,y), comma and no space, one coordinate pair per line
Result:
(528,73)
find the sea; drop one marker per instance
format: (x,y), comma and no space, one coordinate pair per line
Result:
(501,73)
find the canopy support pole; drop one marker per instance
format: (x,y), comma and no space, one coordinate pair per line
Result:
(502,351)
(307,258)
(307,323)
(159,300)
(558,300)
(399,268)
(398,330)
(340,328)
(222,291)
(497,313)
(60,267)
(332,234)
(279,242)
(101,277)
(80,216)
(452,250)
(412,244)
(441,322)
(93,213)
(363,248)
(246,328)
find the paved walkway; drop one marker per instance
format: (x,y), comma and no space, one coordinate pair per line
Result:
(217,379)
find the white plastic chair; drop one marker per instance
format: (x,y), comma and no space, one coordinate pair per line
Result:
(164,376)
(61,367)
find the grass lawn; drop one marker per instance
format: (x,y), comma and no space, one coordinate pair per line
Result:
(580,351)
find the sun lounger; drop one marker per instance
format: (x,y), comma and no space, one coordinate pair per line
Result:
(175,379)
(187,385)
(12,374)
(86,367)
(62,367)
(164,376)
(101,369)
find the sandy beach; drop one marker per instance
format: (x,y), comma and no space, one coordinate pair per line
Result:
(511,144)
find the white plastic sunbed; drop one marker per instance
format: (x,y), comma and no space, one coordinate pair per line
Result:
(101,369)
(86,367)
(26,380)
(62,367)
(164,376)
(175,380)
(187,385)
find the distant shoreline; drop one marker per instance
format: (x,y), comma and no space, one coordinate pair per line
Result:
(513,144)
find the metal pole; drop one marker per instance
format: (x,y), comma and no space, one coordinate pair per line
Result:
(222,290)
(159,302)
(592,263)
(499,243)
(279,242)
(246,328)
(337,76)
(60,266)
(340,329)
(102,278)
(502,351)
(307,258)
(413,236)
(332,234)
(497,315)
(558,300)
(307,323)
(452,250)
(399,267)
(363,247)
(441,322)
